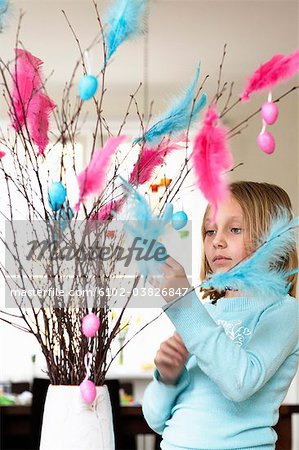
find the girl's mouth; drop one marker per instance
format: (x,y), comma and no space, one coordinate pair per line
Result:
(221,260)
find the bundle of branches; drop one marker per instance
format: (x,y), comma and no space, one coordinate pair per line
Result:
(55,271)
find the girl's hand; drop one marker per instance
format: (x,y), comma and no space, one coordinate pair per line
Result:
(170,358)
(172,282)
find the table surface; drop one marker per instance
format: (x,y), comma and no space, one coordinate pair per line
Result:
(127,410)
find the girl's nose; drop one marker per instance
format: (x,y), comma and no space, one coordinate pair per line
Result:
(219,241)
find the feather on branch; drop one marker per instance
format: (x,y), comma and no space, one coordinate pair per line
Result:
(179,115)
(125,20)
(39,111)
(26,83)
(277,69)
(91,180)
(30,104)
(140,223)
(211,156)
(4,5)
(106,211)
(150,159)
(259,274)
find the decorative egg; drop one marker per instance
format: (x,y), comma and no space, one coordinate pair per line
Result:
(88,391)
(269,112)
(64,216)
(56,195)
(266,142)
(90,325)
(88,86)
(179,220)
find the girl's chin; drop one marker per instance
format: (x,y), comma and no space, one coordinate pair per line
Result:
(221,269)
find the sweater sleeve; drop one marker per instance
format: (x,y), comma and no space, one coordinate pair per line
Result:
(159,398)
(238,372)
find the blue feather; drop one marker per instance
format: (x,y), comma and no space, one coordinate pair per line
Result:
(177,118)
(143,224)
(4,5)
(257,274)
(125,20)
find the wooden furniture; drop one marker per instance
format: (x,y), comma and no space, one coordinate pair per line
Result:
(284,426)
(15,425)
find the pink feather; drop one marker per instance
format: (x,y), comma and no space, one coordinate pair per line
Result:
(38,114)
(150,159)
(277,69)
(30,104)
(114,205)
(105,212)
(91,179)
(2,154)
(211,156)
(26,82)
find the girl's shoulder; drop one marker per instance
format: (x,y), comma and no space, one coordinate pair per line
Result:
(288,306)
(289,300)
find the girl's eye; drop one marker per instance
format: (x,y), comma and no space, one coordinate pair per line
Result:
(236,230)
(210,232)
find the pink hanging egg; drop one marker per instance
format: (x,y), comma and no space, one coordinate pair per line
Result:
(90,325)
(88,391)
(266,142)
(269,112)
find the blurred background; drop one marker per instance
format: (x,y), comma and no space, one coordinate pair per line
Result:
(180,34)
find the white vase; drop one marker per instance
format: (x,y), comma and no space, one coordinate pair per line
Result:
(71,424)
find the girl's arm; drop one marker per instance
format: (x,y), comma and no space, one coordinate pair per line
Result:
(239,372)
(159,398)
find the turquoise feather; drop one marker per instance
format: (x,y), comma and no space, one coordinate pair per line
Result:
(257,274)
(4,4)
(177,118)
(125,20)
(142,223)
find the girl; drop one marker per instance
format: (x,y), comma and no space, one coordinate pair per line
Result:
(220,380)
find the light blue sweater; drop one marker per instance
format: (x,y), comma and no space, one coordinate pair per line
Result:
(243,356)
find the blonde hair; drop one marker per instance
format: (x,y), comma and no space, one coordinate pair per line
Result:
(259,202)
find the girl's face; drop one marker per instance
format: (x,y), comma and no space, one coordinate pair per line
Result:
(225,241)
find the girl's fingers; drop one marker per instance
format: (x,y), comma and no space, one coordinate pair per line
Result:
(172,262)
(166,270)
(154,281)
(174,350)
(167,360)
(178,340)
(180,345)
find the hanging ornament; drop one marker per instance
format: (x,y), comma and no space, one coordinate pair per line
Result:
(56,195)
(90,325)
(154,187)
(269,113)
(88,86)
(179,220)
(65,215)
(165,182)
(266,142)
(88,389)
